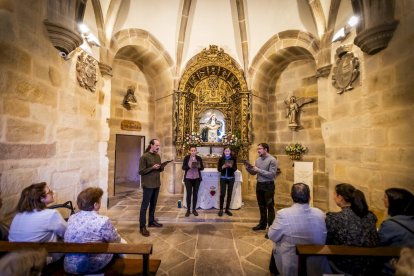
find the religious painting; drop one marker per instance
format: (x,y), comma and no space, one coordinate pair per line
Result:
(212,126)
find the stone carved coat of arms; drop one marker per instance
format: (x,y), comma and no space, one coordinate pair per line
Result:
(86,71)
(346,70)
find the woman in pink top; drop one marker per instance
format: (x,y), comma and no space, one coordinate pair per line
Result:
(192,165)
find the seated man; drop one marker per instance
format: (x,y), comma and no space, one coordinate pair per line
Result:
(298,224)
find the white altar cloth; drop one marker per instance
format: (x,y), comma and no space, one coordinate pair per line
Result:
(209,192)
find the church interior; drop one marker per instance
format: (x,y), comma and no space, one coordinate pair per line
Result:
(85,85)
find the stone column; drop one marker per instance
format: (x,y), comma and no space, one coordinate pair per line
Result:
(61,23)
(377,24)
(105,182)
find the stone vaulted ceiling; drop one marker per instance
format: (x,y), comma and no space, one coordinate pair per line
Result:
(184,27)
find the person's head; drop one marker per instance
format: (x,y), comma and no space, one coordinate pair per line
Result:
(348,195)
(292,99)
(90,199)
(192,150)
(153,146)
(405,264)
(35,197)
(300,193)
(262,149)
(399,202)
(226,151)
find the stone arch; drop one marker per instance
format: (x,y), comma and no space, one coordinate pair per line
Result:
(150,69)
(285,66)
(301,44)
(141,47)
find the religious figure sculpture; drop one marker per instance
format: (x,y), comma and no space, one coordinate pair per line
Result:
(211,130)
(293,108)
(129,99)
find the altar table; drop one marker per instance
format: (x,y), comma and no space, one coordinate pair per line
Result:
(209,192)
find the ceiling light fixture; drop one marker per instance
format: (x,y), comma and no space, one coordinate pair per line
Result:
(343,32)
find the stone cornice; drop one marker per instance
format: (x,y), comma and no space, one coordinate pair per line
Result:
(373,40)
(105,69)
(323,71)
(62,38)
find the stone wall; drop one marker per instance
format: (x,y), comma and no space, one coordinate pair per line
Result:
(50,127)
(126,74)
(298,80)
(368,131)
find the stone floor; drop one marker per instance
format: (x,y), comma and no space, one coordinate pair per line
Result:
(203,245)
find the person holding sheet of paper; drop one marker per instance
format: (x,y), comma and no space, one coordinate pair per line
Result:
(192,165)
(150,169)
(227,165)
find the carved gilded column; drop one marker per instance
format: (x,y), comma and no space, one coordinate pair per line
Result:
(242,120)
(377,24)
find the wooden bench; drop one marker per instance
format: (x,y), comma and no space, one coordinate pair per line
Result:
(121,266)
(304,251)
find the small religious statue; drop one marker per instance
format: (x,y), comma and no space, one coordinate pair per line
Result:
(211,130)
(293,108)
(129,100)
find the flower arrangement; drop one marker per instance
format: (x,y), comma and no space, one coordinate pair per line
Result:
(229,139)
(232,140)
(295,151)
(192,139)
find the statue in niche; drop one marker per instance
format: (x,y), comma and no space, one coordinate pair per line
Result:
(293,106)
(129,100)
(212,130)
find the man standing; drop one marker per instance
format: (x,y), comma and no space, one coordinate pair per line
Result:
(265,168)
(150,169)
(298,224)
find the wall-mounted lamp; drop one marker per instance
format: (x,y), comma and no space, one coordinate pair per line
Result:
(343,32)
(130,101)
(88,36)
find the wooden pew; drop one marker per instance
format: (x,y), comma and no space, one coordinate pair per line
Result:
(121,266)
(304,251)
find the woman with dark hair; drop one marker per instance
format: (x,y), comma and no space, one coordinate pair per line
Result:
(192,165)
(398,229)
(33,221)
(88,226)
(354,225)
(227,165)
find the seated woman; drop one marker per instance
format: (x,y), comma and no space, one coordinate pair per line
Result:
(88,226)
(354,225)
(33,221)
(398,229)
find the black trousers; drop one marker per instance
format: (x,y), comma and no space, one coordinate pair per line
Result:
(265,192)
(149,198)
(192,186)
(229,183)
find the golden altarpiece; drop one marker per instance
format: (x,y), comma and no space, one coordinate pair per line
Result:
(212,93)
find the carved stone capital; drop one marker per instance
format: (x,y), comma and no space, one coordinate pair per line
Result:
(375,39)
(323,71)
(64,39)
(105,69)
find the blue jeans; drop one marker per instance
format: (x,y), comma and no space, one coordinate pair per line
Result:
(149,197)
